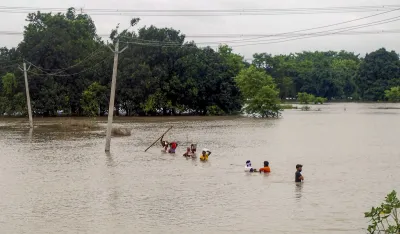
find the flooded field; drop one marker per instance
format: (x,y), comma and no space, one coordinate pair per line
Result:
(55,180)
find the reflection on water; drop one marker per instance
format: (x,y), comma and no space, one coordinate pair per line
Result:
(30,135)
(110,160)
(56,181)
(299,188)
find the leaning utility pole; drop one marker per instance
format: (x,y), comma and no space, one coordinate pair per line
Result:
(28,97)
(112,95)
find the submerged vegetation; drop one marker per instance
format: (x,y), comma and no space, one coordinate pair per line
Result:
(393,94)
(163,74)
(386,217)
(287,106)
(119,131)
(305,108)
(305,98)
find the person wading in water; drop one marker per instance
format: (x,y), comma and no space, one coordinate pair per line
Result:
(172,146)
(298,176)
(266,168)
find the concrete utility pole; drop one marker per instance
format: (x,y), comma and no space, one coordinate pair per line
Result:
(28,97)
(112,95)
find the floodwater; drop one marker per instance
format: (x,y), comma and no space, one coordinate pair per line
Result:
(53,181)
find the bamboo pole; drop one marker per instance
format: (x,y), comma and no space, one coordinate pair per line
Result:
(158,139)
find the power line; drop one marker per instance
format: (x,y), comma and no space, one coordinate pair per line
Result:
(275,35)
(390,20)
(205,10)
(66,75)
(208,12)
(166,44)
(240,35)
(4,62)
(58,71)
(297,31)
(288,33)
(329,25)
(315,34)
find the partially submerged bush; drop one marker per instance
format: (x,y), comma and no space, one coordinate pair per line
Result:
(305,108)
(305,98)
(287,106)
(386,217)
(215,110)
(121,131)
(320,100)
(77,124)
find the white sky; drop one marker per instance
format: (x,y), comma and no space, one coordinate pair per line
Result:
(265,24)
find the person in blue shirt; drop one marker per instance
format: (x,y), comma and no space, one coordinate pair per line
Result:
(298,176)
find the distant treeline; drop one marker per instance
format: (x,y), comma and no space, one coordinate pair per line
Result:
(162,74)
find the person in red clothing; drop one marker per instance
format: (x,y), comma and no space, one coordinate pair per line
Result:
(165,144)
(266,168)
(172,147)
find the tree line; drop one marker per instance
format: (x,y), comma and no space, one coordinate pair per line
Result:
(160,73)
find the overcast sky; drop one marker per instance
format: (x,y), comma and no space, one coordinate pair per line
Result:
(266,24)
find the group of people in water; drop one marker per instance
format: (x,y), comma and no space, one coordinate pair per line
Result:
(266,169)
(170,147)
(249,168)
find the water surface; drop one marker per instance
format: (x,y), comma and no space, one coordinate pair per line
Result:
(57,181)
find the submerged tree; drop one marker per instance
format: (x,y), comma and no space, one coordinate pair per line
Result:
(13,99)
(259,92)
(393,94)
(92,99)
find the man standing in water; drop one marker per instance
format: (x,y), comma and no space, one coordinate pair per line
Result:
(298,176)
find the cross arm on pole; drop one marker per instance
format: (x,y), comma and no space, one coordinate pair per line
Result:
(126,47)
(111,49)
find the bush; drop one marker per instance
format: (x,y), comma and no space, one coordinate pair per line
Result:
(393,95)
(319,100)
(385,218)
(305,108)
(215,110)
(305,98)
(287,106)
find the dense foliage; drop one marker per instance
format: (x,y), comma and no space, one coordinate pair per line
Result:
(393,95)
(259,92)
(162,74)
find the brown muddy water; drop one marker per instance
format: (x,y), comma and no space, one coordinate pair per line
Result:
(58,181)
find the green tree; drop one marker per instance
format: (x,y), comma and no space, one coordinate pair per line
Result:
(377,73)
(12,100)
(259,92)
(62,47)
(326,74)
(393,94)
(9,84)
(92,98)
